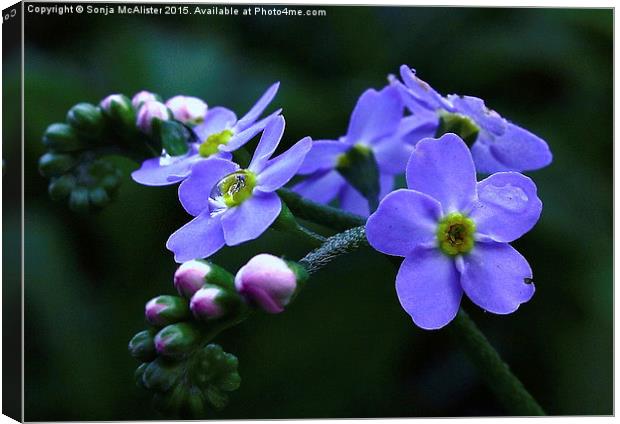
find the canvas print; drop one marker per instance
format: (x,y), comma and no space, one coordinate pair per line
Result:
(258,211)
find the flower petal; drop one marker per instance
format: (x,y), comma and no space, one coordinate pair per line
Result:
(217,120)
(392,155)
(417,127)
(473,107)
(507,206)
(199,238)
(281,169)
(151,173)
(352,201)
(520,150)
(376,114)
(321,187)
(428,288)
(443,169)
(268,144)
(258,108)
(421,91)
(322,156)
(494,277)
(194,192)
(403,220)
(485,161)
(239,139)
(251,218)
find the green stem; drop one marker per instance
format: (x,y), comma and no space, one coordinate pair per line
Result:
(320,214)
(503,383)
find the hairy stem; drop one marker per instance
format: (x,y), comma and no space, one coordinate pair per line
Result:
(503,383)
(320,214)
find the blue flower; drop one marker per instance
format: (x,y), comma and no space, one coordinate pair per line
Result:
(454,232)
(220,134)
(233,205)
(499,144)
(376,124)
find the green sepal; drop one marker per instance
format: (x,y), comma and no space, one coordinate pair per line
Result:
(177,340)
(99,197)
(219,276)
(172,135)
(177,309)
(60,188)
(62,138)
(87,119)
(359,167)
(142,346)
(458,124)
(121,115)
(55,164)
(162,374)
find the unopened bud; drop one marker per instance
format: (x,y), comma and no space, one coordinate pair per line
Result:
(118,108)
(192,275)
(208,303)
(143,97)
(164,310)
(142,346)
(187,109)
(62,138)
(86,119)
(55,164)
(148,112)
(162,374)
(177,339)
(269,282)
(60,188)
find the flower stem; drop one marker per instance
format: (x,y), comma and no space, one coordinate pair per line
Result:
(503,383)
(320,214)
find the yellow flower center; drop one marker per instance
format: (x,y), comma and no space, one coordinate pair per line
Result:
(455,234)
(211,145)
(235,188)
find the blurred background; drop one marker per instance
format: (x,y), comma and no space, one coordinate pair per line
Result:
(345,348)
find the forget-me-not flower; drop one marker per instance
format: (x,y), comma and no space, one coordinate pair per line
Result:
(454,232)
(233,205)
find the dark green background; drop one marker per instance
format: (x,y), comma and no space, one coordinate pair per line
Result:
(345,348)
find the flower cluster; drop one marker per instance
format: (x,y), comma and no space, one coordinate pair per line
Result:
(179,363)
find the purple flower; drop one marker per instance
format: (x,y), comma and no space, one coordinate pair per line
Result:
(142,97)
(205,303)
(454,232)
(499,144)
(233,205)
(376,125)
(190,277)
(220,134)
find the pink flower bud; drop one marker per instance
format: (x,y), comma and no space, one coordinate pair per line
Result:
(112,98)
(189,110)
(267,281)
(149,111)
(205,304)
(190,277)
(142,97)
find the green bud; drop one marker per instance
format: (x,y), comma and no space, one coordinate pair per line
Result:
(117,108)
(60,188)
(98,197)
(78,200)
(163,310)
(62,138)
(177,339)
(142,346)
(86,119)
(139,374)
(162,374)
(55,164)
